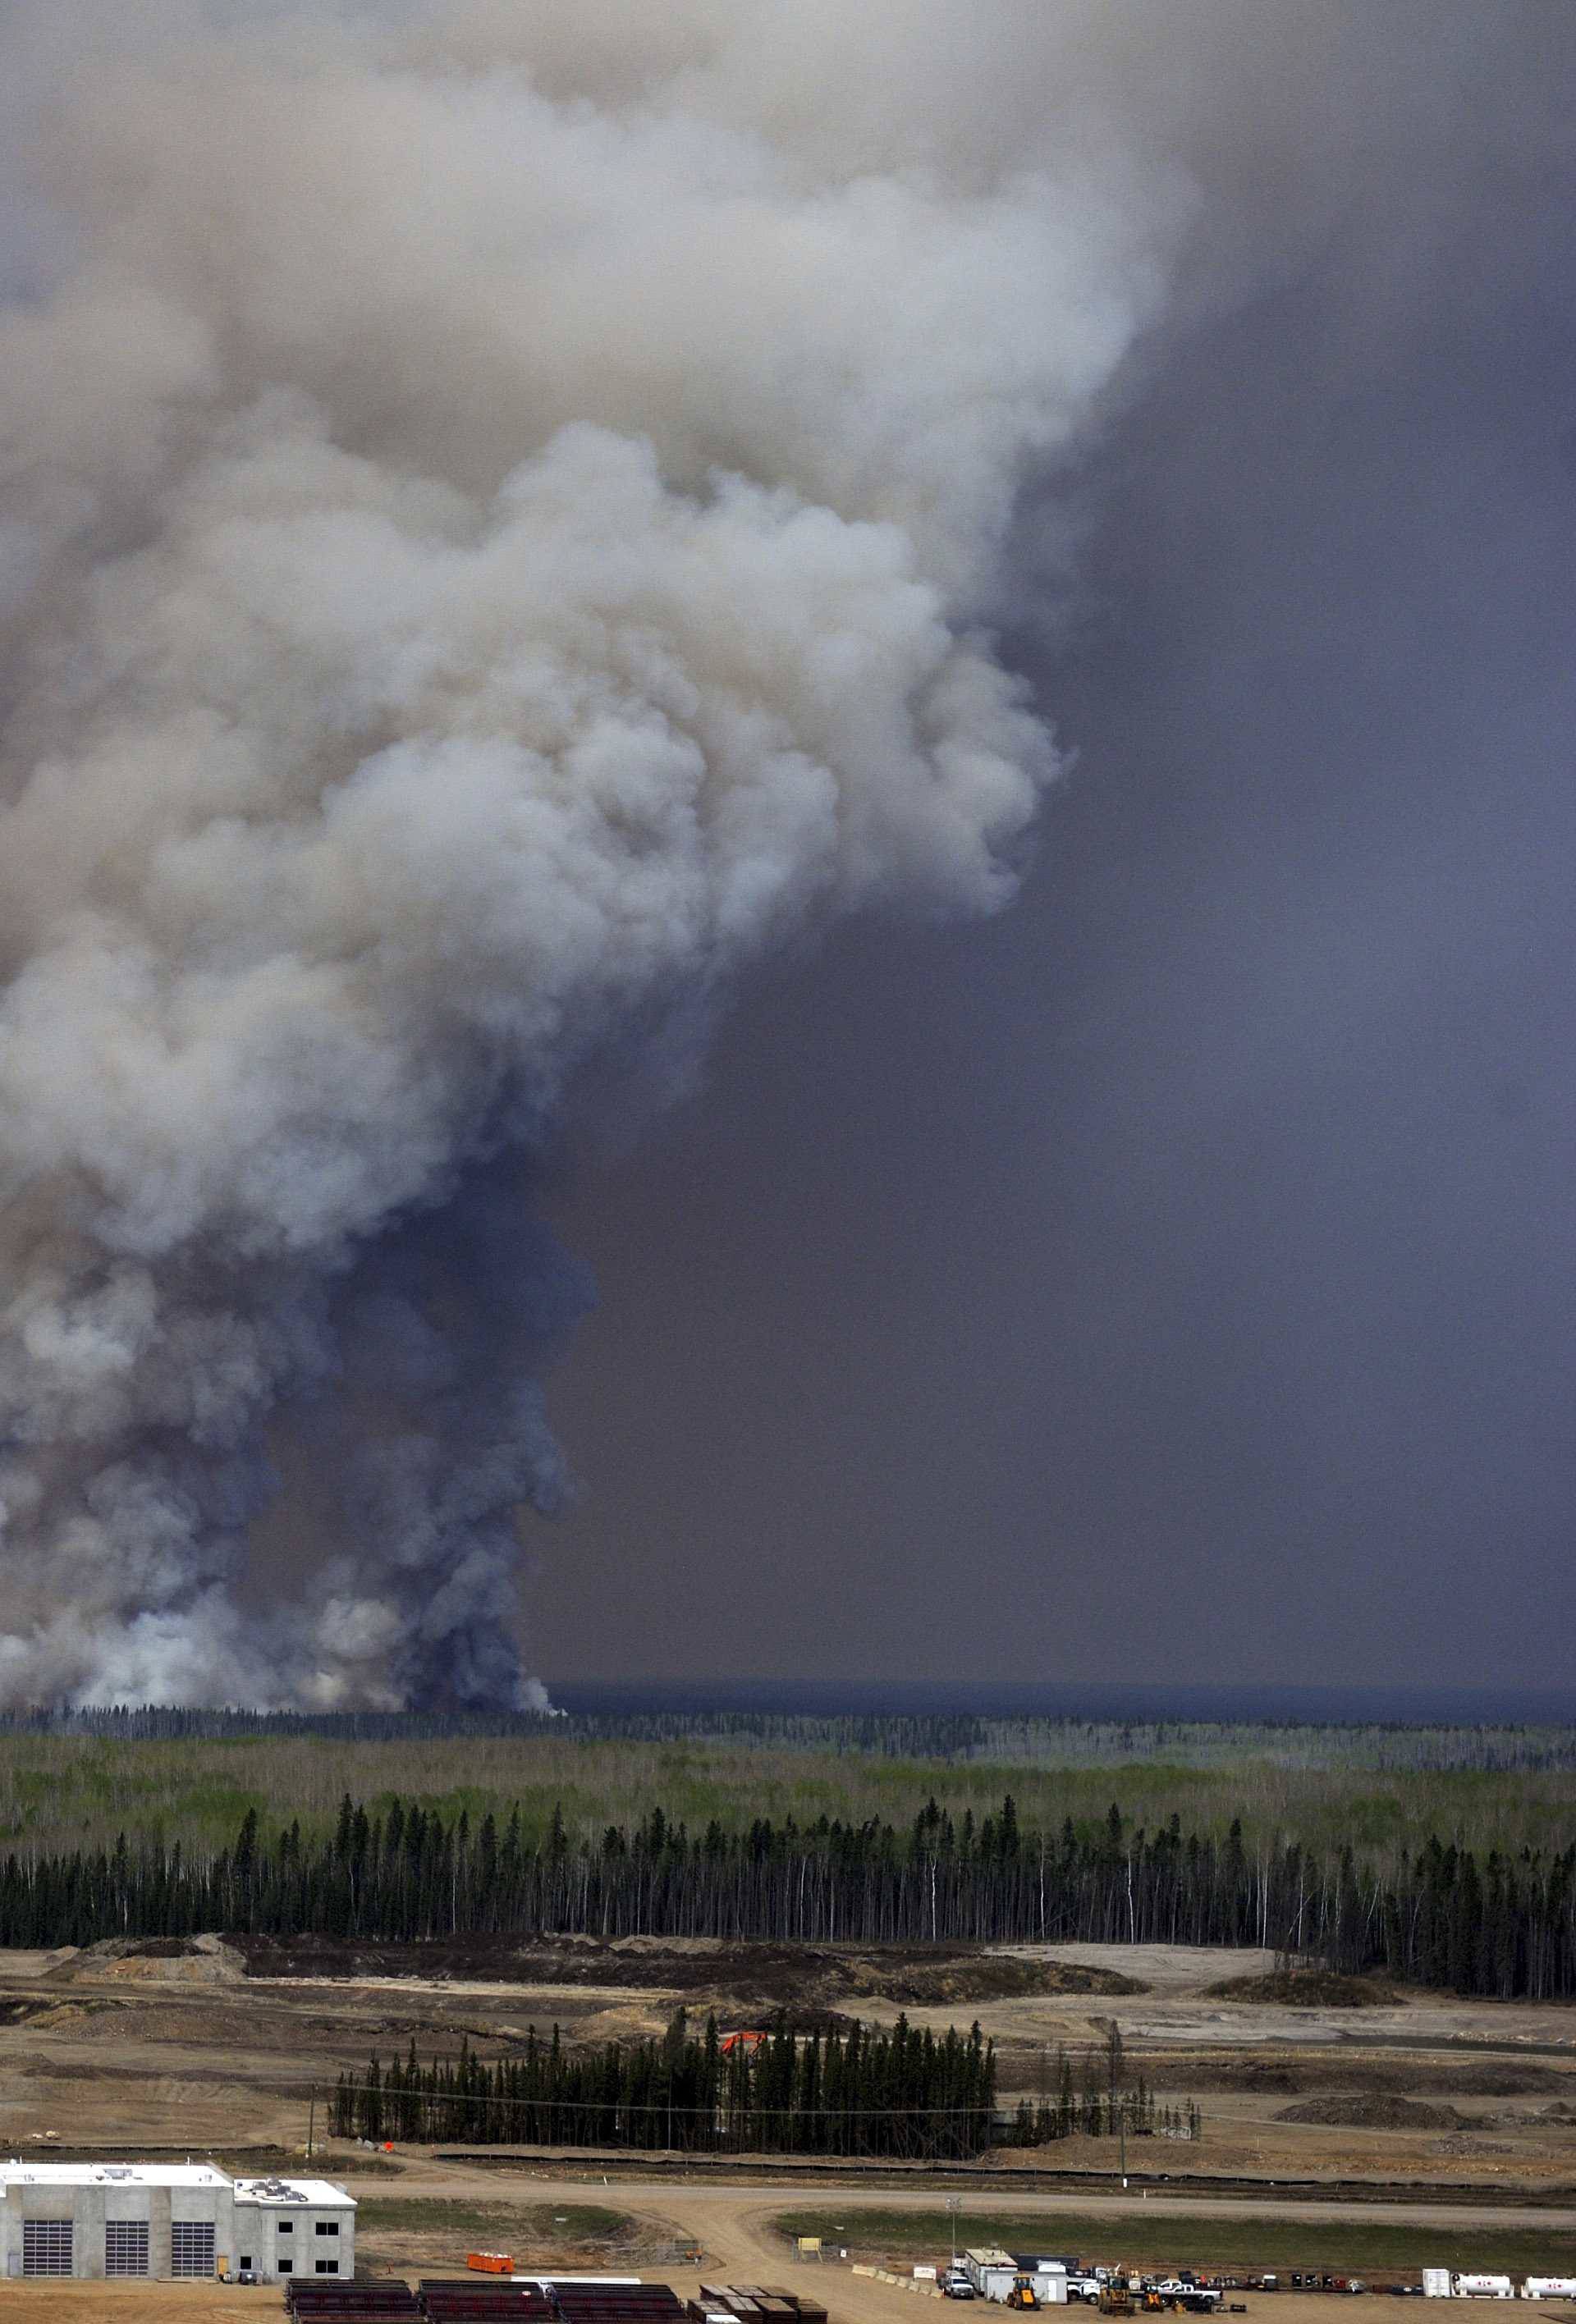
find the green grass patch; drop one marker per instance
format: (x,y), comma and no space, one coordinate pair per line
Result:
(1219,2242)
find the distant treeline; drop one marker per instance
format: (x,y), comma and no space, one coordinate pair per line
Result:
(895,2092)
(954,1738)
(1503,1925)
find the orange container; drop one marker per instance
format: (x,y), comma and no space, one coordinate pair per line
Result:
(490,2262)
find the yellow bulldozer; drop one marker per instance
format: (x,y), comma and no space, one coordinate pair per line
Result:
(1023,2293)
(1115,2300)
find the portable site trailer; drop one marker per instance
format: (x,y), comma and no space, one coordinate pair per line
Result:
(1049,2278)
(992,2273)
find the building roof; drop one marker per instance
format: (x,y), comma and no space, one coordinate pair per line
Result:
(319,2192)
(19,2171)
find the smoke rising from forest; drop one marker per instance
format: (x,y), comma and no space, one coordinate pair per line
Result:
(501,508)
(505,508)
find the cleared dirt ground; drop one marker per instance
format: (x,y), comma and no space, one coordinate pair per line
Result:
(214,2045)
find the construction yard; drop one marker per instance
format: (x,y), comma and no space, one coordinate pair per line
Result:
(209,2043)
(1418,2129)
(741,2233)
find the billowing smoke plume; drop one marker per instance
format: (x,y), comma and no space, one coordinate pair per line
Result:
(502,507)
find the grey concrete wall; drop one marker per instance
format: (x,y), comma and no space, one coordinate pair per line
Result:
(302,2244)
(88,2242)
(159,2232)
(249,2230)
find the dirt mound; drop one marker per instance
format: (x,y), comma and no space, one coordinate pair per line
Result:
(47,2015)
(1313,2072)
(1377,2110)
(748,1979)
(1308,1988)
(1210,2076)
(171,1961)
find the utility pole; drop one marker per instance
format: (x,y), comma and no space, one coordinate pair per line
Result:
(312,2119)
(952,2222)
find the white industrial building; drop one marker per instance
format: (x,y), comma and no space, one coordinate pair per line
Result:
(168,2220)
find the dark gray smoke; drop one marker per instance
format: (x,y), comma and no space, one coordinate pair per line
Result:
(506,510)
(1173,1280)
(500,505)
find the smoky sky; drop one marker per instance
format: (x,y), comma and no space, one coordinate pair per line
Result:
(1173,1277)
(892,682)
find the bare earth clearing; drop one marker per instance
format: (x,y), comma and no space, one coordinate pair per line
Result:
(213,2046)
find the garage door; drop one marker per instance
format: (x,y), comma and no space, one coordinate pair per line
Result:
(46,2247)
(125,2247)
(191,2247)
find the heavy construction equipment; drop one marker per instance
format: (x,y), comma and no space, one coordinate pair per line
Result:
(1115,2300)
(1023,2295)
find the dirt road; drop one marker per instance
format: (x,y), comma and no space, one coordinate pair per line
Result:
(734,2225)
(720,2216)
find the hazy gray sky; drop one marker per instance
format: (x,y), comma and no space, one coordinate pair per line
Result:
(1174,1277)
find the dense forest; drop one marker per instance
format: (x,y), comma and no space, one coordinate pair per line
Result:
(895,2092)
(61,1791)
(1502,1924)
(841,2091)
(952,1737)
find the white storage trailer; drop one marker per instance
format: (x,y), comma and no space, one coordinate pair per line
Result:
(991,2272)
(1048,2276)
(1549,2287)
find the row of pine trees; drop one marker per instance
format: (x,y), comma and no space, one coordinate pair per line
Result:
(1502,1925)
(895,2092)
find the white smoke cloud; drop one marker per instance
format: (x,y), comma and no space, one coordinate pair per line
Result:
(500,508)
